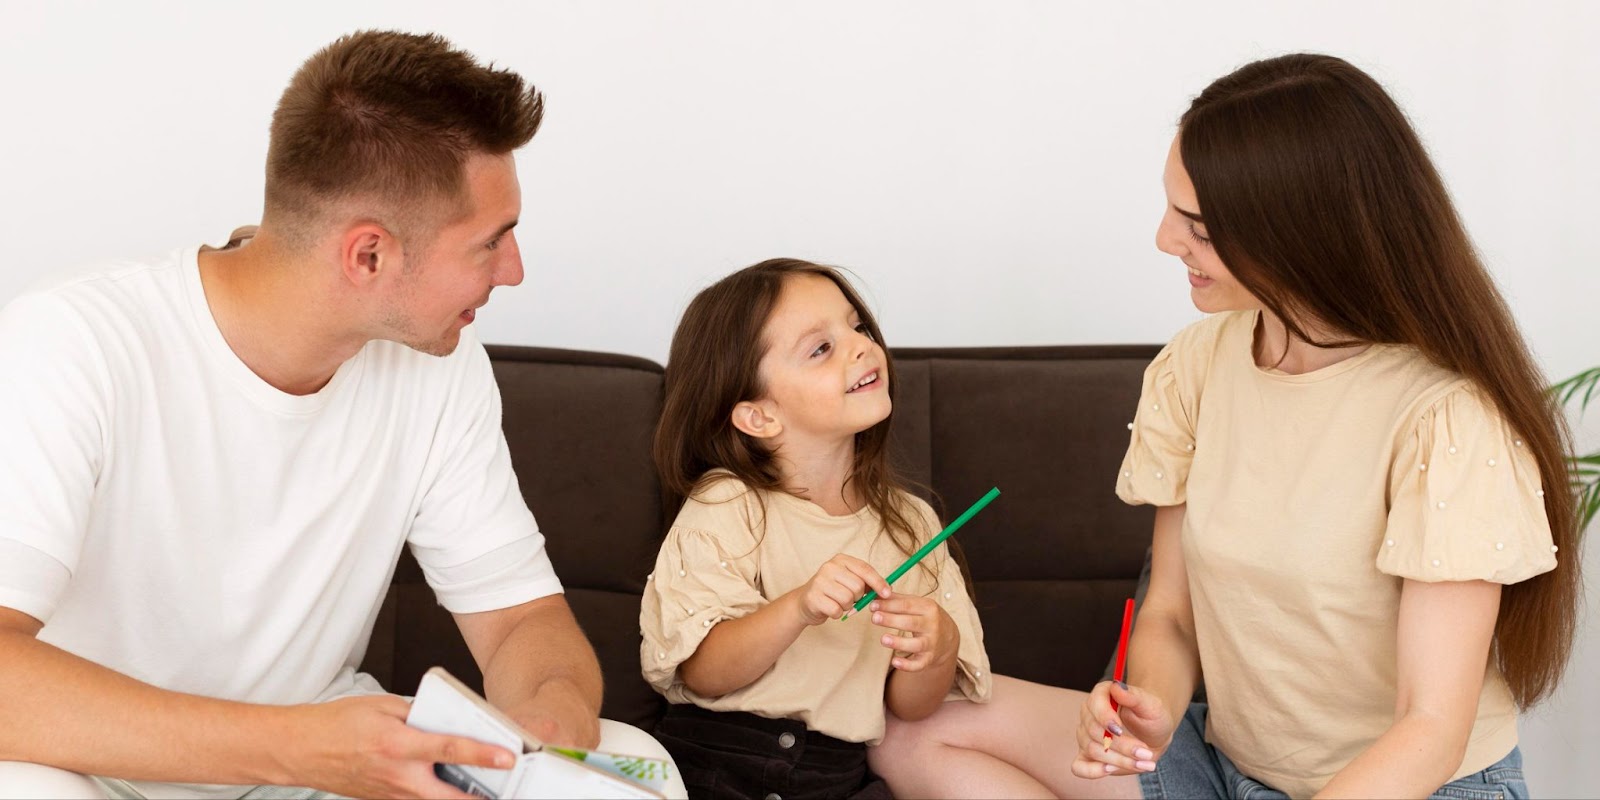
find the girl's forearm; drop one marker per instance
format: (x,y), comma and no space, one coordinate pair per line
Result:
(916,695)
(738,651)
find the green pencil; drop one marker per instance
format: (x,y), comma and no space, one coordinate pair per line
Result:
(926,549)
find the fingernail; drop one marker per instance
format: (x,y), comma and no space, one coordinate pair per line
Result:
(1147,766)
(502,760)
(874,606)
(888,642)
(1111,769)
(1123,685)
(897,663)
(1116,730)
(1143,754)
(878,618)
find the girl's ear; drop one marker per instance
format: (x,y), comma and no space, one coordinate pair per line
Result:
(755,420)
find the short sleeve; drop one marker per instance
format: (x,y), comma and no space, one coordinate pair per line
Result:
(973,681)
(473,505)
(54,421)
(1155,469)
(701,578)
(1466,500)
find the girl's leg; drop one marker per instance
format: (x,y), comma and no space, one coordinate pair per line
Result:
(1019,744)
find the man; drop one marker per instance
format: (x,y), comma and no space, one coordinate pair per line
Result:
(209,464)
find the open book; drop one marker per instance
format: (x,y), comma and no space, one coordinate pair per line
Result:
(446,705)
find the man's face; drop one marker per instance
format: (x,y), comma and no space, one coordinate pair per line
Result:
(443,285)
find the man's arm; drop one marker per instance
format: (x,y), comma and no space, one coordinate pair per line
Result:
(64,711)
(539,668)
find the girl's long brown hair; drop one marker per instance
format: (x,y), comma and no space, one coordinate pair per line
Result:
(1321,200)
(714,365)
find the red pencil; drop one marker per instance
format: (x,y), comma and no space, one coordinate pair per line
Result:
(1122,655)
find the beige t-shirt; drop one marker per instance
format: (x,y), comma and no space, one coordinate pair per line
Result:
(1310,497)
(717,563)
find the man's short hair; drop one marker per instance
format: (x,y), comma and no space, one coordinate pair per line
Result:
(388,119)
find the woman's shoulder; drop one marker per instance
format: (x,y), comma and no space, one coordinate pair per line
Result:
(1205,335)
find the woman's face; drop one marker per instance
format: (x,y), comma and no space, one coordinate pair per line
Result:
(1182,233)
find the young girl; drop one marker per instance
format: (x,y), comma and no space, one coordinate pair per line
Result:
(1360,483)
(775,429)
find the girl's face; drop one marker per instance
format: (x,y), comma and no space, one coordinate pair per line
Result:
(1182,233)
(825,377)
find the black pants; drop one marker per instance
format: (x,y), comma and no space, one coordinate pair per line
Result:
(731,755)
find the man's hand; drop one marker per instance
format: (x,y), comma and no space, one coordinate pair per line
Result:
(559,715)
(362,747)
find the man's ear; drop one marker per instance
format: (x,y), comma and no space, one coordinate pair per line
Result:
(366,251)
(756,419)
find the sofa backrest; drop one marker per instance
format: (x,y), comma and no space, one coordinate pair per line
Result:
(1051,559)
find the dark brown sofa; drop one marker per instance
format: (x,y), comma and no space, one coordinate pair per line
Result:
(1051,559)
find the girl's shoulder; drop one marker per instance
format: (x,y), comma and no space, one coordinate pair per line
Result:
(721,505)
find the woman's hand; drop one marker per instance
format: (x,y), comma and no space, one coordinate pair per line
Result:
(835,588)
(1140,731)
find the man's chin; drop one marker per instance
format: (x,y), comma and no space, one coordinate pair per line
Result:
(436,347)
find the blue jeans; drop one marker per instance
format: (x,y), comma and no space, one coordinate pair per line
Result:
(1191,768)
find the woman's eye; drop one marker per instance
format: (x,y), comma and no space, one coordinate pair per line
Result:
(1196,235)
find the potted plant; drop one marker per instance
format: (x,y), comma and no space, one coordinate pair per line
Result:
(1580,388)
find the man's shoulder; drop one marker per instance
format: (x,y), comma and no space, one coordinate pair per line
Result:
(103,291)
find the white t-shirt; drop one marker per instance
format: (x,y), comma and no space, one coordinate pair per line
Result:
(171,516)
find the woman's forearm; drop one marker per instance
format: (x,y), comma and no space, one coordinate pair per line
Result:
(1418,754)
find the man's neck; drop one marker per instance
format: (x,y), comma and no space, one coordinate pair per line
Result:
(276,316)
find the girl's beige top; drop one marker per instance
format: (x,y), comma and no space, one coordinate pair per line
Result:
(720,562)
(1310,499)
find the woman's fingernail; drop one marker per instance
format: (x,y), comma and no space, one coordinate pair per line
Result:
(1123,685)
(1147,766)
(503,760)
(1111,769)
(1143,754)
(1116,730)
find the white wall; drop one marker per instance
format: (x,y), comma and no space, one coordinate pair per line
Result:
(990,170)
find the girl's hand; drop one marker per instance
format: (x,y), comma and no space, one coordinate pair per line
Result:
(1141,730)
(836,587)
(929,635)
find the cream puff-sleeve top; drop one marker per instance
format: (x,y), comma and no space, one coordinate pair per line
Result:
(733,550)
(1310,499)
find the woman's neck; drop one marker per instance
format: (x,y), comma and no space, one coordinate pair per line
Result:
(821,474)
(1276,349)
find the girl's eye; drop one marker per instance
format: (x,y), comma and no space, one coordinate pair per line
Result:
(1205,240)
(821,349)
(861,328)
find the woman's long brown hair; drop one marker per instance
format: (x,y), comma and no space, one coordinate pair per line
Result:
(1321,200)
(714,364)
